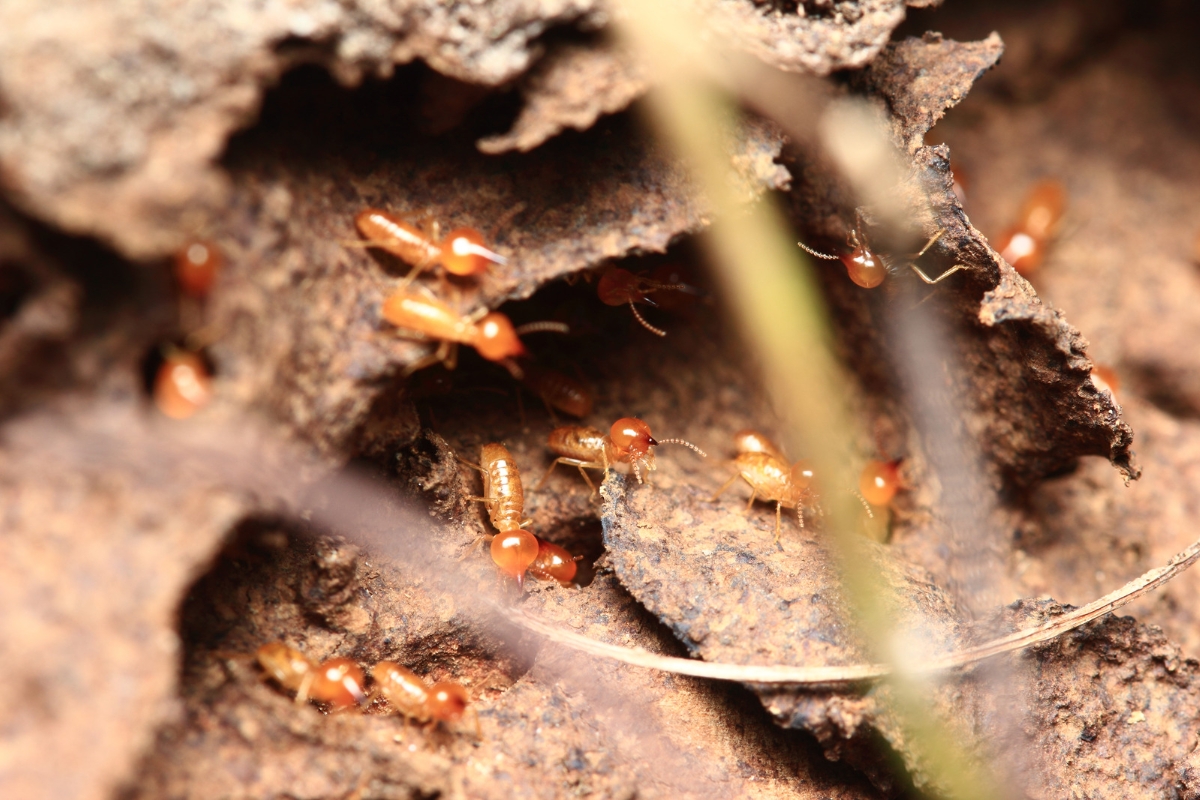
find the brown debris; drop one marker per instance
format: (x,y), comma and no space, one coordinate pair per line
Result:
(736,597)
(323,358)
(115,113)
(570,88)
(1111,710)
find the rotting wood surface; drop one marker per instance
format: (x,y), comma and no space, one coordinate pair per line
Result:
(303,351)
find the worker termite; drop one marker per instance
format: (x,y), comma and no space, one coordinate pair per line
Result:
(554,563)
(868,269)
(491,333)
(197,265)
(461,252)
(337,682)
(620,286)
(1024,244)
(409,695)
(182,384)
(513,549)
(627,442)
(558,390)
(761,465)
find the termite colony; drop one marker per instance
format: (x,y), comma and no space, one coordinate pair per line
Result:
(426,304)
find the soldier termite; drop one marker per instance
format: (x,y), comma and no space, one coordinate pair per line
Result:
(627,442)
(868,269)
(461,252)
(620,286)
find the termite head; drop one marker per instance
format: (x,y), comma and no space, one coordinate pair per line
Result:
(620,286)
(339,682)
(513,551)
(803,477)
(864,267)
(464,253)
(631,437)
(496,339)
(447,701)
(196,268)
(555,563)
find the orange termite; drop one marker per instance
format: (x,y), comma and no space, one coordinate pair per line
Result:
(879,481)
(182,385)
(492,334)
(558,390)
(751,441)
(620,286)
(461,252)
(1024,244)
(554,563)
(1106,379)
(411,696)
(290,668)
(761,465)
(628,442)
(867,269)
(337,681)
(513,549)
(196,267)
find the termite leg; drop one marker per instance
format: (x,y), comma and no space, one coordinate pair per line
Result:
(931,242)
(574,462)
(724,486)
(778,520)
(478,729)
(302,692)
(638,315)
(753,495)
(417,269)
(940,278)
(442,354)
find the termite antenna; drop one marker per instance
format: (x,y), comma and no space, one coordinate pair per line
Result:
(685,444)
(513,368)
(812,252)
(638,316)
(545,326)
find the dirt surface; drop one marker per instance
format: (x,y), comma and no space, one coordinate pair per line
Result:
(320,499)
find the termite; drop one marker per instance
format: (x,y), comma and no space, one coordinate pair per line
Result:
(620,286)
(182,385)
(554,563)
(197,265)
(761,465)
(879,481)
(461,252)
(513,549)
(337,682)
(1106,379)
(867,269)
(628,442)
(1024,244)
(491,333)
(409,695)
(558,390)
